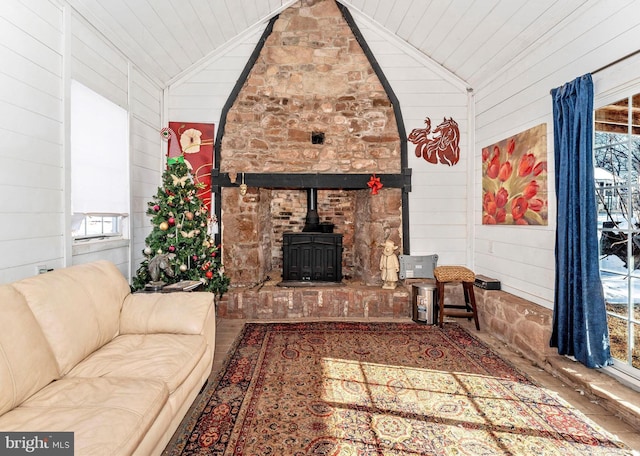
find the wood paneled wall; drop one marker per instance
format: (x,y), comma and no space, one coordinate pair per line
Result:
(31,127)
(43,44)
(523,258)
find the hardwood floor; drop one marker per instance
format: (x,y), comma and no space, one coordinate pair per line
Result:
(228,330)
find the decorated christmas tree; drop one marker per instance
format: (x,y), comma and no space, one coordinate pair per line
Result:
(180,246)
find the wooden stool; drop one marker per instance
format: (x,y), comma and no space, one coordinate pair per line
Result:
(446,274)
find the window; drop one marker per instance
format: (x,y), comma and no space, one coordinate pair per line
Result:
(91,226)
(617,175)
(99,165)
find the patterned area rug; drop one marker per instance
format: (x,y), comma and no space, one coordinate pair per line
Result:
(379,389)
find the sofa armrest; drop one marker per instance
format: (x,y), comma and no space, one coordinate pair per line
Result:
(176,313)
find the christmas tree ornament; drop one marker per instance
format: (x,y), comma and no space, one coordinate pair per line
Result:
(171,221)
(147,250)
(180,180)
(183,267)
(174,146)
(172,248)
(164,226)
(208,274)
(159,251)
(156,207)
(189,215)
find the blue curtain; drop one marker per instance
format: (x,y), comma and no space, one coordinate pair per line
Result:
(579,317)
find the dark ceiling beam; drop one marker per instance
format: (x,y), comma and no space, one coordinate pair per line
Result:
(301,181)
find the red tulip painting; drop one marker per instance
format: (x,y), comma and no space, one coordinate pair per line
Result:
(514,180)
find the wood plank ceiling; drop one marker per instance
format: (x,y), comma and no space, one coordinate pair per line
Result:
(473,39)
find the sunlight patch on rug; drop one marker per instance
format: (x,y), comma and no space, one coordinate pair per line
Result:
(379,389)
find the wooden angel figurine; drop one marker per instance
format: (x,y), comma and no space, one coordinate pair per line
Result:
(389,266)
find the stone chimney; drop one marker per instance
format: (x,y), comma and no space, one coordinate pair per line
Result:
(311,103)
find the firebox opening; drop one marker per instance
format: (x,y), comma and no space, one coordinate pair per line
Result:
(315,254)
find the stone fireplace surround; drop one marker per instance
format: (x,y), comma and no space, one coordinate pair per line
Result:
(255,223)
(311,110)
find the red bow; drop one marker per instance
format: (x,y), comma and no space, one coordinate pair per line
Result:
(374,184)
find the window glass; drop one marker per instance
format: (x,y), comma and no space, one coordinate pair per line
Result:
(617,176)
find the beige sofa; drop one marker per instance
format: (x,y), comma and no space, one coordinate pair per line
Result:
(80,353)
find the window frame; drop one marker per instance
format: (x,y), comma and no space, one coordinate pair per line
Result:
(624,371)
(117,220)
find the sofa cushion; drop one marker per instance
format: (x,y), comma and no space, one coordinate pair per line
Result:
(166,357)
(26,360)
(108,416)
(181,313)
(78,308)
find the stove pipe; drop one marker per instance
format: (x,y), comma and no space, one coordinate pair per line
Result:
(312,220)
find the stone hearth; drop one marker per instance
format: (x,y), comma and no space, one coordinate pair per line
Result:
(351,301)
(524,325)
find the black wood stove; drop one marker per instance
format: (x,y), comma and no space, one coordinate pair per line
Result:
(315,254)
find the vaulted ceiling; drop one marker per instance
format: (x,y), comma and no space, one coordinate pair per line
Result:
(473,39)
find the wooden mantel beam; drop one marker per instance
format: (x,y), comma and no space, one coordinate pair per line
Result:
(307,180)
